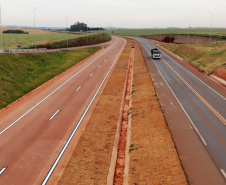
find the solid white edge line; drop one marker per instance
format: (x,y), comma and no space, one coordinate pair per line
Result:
(54,91)
(91,74)
(197,131)
(78,88)
(81,119)
(223,172)
(2,170)
(54,115)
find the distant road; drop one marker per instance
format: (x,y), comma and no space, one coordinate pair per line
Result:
(35,131)
(203,106)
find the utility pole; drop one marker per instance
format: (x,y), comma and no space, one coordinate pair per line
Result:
(67,30)
(211,25)
(34,25)
(188,28)
(1,25)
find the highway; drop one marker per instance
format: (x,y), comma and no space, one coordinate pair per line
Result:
(204,107)
(36,131)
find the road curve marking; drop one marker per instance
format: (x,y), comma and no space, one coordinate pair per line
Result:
(54,115)
(81,119)
(55,90)
(2,170)
(197,94)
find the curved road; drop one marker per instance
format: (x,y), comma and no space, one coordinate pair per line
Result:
(36,131)
(204,107)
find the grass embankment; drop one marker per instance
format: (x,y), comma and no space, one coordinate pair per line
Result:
(208,57)
(20,74)
(11,41)
(81,41)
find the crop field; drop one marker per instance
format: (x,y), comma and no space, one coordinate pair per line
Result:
(193,31)
(11,41)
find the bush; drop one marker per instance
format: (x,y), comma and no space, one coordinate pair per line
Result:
(15,31)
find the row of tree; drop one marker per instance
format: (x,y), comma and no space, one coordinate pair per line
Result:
(80,26)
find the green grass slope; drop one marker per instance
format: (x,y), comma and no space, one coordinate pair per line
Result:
(20,74)
(206,57)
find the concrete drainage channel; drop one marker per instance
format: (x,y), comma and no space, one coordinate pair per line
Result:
(119,167)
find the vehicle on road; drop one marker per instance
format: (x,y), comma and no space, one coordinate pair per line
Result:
(155,53)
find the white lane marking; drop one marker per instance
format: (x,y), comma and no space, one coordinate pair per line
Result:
(2,170)
(91,74)
(81,119)
(55,90)
(197,131)
(54,114)
(223,172)
(78,88)
(99,65)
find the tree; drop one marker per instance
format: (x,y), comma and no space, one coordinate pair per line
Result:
(78,27)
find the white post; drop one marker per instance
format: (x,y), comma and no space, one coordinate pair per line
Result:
(34,25)
(1,25)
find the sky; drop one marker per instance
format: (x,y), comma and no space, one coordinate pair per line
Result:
(114,13)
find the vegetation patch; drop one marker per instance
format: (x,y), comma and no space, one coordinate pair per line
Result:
(20,74)
(206,57)
(81,41)
(15,31)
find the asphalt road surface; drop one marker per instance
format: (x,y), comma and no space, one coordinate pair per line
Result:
(36,131)
(204,107)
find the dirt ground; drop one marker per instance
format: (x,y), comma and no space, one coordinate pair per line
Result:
(90,160)
(153,157)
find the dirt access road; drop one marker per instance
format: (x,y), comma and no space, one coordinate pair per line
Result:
(153,157)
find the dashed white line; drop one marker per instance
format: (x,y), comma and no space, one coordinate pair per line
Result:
(78,88)
(99,65)
(2,170)
(54,114)
(223,172)
(91,74)
(81,119)
(55,90)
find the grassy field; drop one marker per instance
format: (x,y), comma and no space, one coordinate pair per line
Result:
(11,41)
(194,31)
(208,57)
(20,74)
(81,41)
